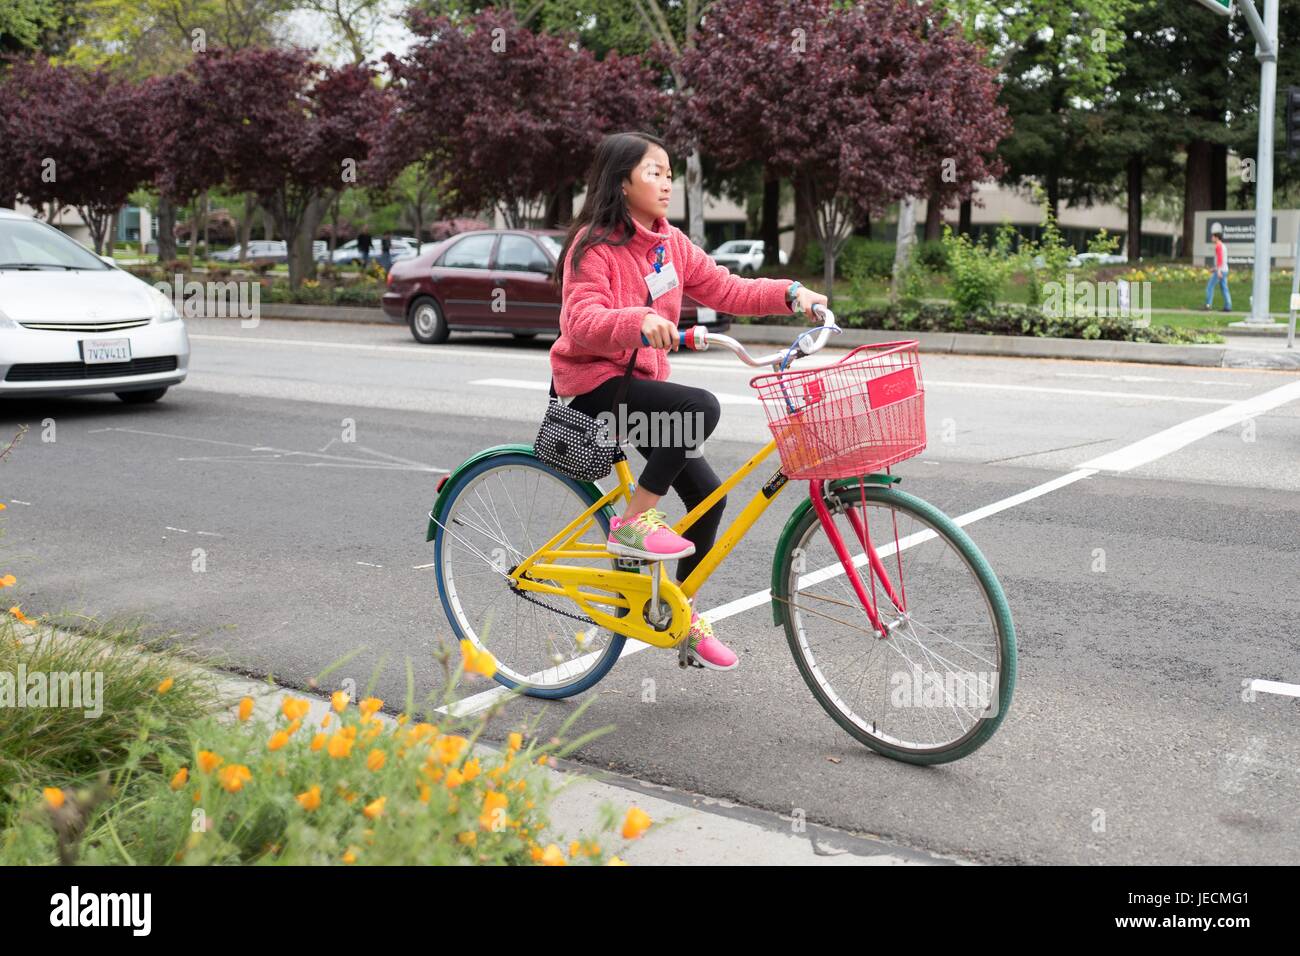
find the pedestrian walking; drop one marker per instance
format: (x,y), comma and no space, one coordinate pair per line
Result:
(1219,274)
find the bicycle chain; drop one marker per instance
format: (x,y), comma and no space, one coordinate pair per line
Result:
(541,603)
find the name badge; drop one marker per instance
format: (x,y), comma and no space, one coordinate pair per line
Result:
(662,281)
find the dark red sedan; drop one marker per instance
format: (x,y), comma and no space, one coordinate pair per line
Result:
(491,280)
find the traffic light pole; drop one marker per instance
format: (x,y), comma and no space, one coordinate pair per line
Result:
(1266,42)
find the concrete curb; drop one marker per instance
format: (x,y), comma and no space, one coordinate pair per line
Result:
(690,829)
(325,313)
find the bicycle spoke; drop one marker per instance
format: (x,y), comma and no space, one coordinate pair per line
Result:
(498,518)
(925,685)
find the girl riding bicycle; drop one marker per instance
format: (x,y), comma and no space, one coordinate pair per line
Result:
(622,275)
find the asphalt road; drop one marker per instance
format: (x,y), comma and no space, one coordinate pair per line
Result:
(296,465)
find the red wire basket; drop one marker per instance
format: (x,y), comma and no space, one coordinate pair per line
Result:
(864,413)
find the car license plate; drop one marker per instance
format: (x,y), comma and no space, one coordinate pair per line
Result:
(705,316)
(102,351)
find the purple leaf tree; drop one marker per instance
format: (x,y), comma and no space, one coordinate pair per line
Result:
(503,116)
(72,137)
(861,105)
(277,124)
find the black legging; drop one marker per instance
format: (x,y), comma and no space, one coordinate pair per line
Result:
(667,464)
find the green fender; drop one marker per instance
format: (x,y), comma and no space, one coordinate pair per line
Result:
(450,480)
(787,533)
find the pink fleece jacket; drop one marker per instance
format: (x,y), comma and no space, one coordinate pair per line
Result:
(600,318)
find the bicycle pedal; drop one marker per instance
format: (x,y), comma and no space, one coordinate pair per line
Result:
(630,564)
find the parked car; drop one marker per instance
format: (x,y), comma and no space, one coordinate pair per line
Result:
(73,324)
(1096,259)
(272,250)
(452,286)
(743,256)
(263,251)
(403,248)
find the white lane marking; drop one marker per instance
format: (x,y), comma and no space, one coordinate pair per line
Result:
(513,383)
(1153,378)
(728,398)
(276,453)
(1170,440)
(17,502)
(280,460)
(428,351)
(1115,378)
(759,598)
(499,354)
(1142,449)
(210,534)
(724,398)
(1089,392)
(421,567)
(1275,687)
(367,564)
(481,701)
(168,527)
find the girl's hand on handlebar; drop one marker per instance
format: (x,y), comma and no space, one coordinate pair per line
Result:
(805,299)
(659,332)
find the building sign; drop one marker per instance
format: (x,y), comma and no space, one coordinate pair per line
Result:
(1239,237)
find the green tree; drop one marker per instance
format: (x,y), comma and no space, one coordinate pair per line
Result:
(1057,58)
(151,37)
(22,23)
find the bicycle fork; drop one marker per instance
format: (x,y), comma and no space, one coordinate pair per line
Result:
(815,490)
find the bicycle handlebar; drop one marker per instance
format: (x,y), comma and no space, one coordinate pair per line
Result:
(699,339)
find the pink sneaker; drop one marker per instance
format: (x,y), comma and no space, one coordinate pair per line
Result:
(706,649)
(646,536)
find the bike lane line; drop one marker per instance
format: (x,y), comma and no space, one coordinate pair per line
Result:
(1131,456)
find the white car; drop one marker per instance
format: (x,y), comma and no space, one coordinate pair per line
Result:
(744,256)
(402,249)
(72,324)
(1096,258)
(269,250)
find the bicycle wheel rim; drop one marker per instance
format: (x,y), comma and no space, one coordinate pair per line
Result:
(932,691)
(499,513)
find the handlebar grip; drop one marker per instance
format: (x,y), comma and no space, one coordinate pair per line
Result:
(695,338)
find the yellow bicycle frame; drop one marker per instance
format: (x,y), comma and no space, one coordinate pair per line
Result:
(594,587)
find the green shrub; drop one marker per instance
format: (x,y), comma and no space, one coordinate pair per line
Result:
(179,787)
(868,258)
(979,270)
(1016,320)
(932,255)
(358,293)
(54,745)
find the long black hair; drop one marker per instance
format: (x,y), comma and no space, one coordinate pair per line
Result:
(604,207)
